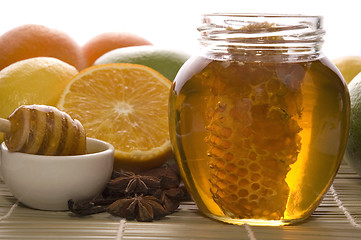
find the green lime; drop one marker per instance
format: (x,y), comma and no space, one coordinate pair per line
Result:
(353,149)
(165,61)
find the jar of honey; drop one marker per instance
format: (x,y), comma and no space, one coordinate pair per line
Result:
(259,118)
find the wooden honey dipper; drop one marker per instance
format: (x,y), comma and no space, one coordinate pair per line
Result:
(43,130)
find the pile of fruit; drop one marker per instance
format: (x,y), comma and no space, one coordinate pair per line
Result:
(116,85)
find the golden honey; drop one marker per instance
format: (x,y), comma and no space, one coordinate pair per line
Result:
(258,136)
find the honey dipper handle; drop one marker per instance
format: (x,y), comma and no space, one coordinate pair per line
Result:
(4,125)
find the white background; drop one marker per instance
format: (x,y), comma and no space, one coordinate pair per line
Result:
(173,23)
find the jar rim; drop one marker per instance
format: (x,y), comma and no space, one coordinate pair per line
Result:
(265,15)
(287,36)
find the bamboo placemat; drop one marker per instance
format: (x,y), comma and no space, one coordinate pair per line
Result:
(338,217)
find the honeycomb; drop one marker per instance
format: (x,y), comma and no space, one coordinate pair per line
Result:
(252,115)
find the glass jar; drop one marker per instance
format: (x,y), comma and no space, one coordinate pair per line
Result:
(259,118)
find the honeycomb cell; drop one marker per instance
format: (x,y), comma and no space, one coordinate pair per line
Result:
(255,186)
(228,157)
(242,172)
(225,144)
(230,167)
(216,152)
(254,167)
(221,184)
(233,188)
(253,197)
(255,177)
(218,163)
(215,140)
(243,183)
(252,156)
(226,132)
(242,193)
(232,178)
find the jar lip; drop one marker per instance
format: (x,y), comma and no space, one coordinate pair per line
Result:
(265,15)
(288,36)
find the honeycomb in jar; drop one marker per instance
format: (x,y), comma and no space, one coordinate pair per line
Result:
(252,115)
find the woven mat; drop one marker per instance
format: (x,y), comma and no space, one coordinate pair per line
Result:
(338,217)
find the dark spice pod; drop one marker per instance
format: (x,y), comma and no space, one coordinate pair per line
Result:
(168,176)
(170,198)
(143,197)
(141,208)
(129,183)
(89,207)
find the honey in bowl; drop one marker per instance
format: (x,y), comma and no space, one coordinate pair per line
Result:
(258,125)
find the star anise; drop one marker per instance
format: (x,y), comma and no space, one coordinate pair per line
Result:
(129,183)
(170,198)
(142,196)
(94,206)
(168,176)
(142,208)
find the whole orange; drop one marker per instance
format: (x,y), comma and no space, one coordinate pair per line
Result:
(108,41)
(31,40)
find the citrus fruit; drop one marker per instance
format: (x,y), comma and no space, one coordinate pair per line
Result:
(108,41)
(166,61)
(125,105)
(353,148)
(39,80)
(349,66)
(30,40)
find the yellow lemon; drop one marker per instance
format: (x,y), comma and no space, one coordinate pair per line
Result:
(39,80)
(349,66)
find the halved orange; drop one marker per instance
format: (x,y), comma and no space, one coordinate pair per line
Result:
(125,105)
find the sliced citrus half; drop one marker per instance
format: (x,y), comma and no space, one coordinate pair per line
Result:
(125,105)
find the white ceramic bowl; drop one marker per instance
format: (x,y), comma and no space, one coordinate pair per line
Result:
(48,182)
